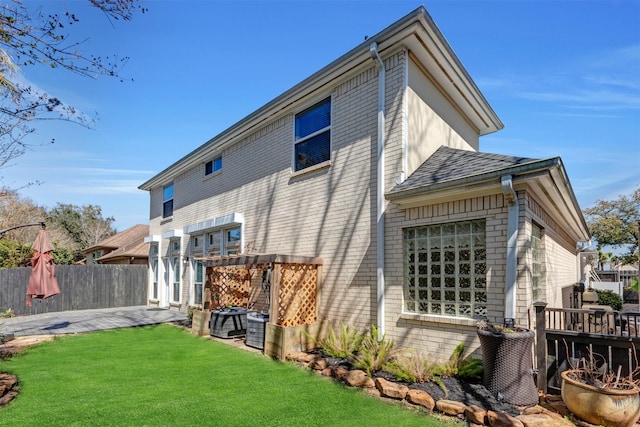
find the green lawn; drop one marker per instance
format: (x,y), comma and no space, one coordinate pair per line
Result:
(164,376)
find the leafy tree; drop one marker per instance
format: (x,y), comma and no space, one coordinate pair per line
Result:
(14,254)
(29,38)
(84,224)
(615,223)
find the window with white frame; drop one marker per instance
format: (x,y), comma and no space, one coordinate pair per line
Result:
(233,238)
(312,141)
(214,243)
(175,266)
(198,281)
(213,166)
(167,201)
(154,270)
(537,263)
(224,242)
(445,268)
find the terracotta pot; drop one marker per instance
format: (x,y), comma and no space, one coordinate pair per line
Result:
(607,407)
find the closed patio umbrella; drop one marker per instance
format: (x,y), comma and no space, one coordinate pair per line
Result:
(43,282)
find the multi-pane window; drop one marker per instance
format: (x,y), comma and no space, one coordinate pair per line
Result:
(224,242)
(445,268)
(312,143)
(537,259)
(167,201)
(154,270)
(212,166)
(232,241)
(213,244)
(176,278)
(198,282)
(175,267)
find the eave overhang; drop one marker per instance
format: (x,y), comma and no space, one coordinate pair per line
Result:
(416,32)
(545,179)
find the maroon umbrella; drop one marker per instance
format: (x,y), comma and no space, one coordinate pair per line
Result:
(43,282)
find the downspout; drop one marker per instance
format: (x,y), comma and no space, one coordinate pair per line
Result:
(373,50)
(512,251)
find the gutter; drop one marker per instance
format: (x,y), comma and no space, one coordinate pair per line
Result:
(380,197)
(512,251)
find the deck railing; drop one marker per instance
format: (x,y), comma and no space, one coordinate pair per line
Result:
(565,335)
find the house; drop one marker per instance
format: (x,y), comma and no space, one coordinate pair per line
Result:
(126,247)
(373,164)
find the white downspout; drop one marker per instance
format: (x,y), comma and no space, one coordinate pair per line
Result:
(373,50)
(512,251)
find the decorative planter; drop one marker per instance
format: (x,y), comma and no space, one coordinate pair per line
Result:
(507,366)
(606,407)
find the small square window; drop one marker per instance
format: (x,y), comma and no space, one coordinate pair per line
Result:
(212,166)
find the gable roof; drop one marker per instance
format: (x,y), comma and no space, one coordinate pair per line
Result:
(451,174)
(126,238)
(416,31)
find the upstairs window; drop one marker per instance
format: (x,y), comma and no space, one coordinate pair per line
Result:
(312,143)
(212,166)
(167,201)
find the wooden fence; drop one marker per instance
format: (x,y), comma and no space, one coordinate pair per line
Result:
(82,287)
(565,335)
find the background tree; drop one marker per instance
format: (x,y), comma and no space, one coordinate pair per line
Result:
(615,223)
(29,38)
(84,224)
(71,229)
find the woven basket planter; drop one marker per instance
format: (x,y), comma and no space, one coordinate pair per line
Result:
(507,366)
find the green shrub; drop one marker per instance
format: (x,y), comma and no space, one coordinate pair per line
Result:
(610,298)
(342,344)
(458,366)
(373,354)
(414,368)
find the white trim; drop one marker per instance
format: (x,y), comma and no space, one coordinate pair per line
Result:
(172,234)
(154,238)
(232,219)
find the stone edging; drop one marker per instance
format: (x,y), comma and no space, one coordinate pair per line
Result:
(537,415)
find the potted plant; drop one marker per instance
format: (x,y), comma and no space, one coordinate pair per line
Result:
(600,396)
(506,363)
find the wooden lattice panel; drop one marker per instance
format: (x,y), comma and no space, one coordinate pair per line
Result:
(297,293)
(229,287)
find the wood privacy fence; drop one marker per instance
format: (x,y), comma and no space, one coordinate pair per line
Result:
(82,287)
(565,335)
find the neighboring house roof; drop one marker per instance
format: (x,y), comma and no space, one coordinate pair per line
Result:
(417,32)
(127,243)
(139,249)
(451,172)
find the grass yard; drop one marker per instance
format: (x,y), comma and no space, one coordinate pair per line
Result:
(164,376)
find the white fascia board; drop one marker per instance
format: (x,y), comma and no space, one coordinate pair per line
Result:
(232,219)
(171,234)
(417,31)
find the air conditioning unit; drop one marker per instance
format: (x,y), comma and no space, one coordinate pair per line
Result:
(256,326)
(229,322)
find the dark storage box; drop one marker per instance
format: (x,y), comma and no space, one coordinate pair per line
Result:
(256,325)
(229,322)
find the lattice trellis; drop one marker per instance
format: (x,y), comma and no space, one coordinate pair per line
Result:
(297,293)
(229,286)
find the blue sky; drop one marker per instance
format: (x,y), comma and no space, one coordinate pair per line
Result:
(564,77)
